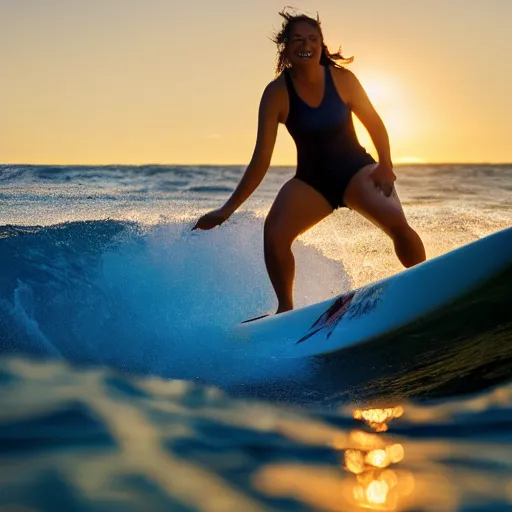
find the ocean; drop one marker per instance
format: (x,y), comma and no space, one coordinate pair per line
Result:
(121,389)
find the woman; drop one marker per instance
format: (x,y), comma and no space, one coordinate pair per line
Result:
(314,97)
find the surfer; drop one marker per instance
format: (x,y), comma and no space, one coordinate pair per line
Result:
(313,96)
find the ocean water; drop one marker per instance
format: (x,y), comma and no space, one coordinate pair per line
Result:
(122,390)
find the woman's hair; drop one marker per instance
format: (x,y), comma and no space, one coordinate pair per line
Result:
(282,39)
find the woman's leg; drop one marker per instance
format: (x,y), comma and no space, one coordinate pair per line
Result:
(386,213)
(296,208)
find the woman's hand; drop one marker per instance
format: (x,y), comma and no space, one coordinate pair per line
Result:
(212,219)
(383,177)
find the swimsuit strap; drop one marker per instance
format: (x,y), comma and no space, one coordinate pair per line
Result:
(289,85)
(330,86)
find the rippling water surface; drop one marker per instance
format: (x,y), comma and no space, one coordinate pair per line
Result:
(122,390)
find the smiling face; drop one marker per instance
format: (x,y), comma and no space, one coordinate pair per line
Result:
(304,46)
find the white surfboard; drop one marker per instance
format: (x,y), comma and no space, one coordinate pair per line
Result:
(380,307)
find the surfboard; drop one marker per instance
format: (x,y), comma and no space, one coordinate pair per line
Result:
(381,307)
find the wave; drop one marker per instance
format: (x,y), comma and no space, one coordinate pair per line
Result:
(162,301)
(151,300)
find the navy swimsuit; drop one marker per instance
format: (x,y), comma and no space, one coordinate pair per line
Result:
(328,152)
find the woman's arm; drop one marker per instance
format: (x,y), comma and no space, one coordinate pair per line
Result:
(362,107)
(268,121)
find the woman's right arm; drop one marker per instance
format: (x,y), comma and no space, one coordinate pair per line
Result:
(268,122)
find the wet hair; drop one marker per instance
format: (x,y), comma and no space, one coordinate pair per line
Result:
(282,39)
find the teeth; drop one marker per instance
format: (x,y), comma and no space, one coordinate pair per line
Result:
(304,55)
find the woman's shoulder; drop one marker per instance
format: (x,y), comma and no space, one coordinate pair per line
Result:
(276,88)
(342,73)
(278,84)
(344,78)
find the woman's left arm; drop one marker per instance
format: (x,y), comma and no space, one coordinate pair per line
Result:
(358,101)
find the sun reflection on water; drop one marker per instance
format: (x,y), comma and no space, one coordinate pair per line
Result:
(378,418)
(377,487)
(382,471)
(367,477)
(382,490)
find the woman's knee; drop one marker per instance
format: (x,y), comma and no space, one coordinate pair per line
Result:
(276,236)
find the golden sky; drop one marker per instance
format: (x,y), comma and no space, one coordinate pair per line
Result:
(163,81)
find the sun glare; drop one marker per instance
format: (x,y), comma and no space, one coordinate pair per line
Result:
(379,90)
(395,106)
(409,160)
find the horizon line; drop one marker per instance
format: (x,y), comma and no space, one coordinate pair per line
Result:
(148,164)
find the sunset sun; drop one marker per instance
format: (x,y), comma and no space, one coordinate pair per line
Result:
(394,105)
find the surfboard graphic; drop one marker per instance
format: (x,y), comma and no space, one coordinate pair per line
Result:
(353,304)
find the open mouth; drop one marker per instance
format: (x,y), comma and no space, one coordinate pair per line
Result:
(304,55)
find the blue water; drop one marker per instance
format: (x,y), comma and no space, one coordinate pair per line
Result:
(123,390)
